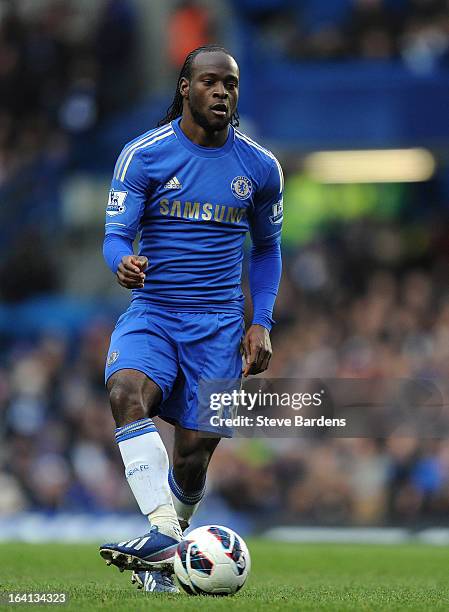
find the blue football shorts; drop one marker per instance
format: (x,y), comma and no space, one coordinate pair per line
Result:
(178,350)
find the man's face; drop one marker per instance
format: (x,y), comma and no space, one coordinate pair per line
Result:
(213,90)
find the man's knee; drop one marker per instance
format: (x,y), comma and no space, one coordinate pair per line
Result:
(129,401)
(126,405)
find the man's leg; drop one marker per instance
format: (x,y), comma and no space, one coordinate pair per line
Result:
(191,456)
(208,350)
(133,396)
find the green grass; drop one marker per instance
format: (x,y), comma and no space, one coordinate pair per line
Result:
(284,577)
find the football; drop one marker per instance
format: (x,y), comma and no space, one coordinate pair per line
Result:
(212,560)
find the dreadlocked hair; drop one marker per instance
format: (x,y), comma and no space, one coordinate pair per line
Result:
(175,109)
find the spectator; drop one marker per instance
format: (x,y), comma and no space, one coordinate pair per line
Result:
(189,27)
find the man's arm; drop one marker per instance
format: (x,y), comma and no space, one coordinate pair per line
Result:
(129,268)
(265,268)
(126,204)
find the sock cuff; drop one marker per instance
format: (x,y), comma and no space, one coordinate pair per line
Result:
(132,430)
(191,498)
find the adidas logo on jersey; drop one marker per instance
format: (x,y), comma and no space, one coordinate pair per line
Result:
(173,183)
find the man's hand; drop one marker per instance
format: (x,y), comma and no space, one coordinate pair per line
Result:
(257,348)
(131,271)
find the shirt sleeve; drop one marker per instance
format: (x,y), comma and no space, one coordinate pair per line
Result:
(265,220)
(128,195)
(114,248)
(265,269)
(265,263)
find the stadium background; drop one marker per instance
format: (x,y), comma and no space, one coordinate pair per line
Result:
(364,290)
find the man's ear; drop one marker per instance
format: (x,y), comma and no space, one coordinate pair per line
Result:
(184,87)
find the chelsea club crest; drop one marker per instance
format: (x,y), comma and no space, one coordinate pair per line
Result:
(241,187)
(112,357)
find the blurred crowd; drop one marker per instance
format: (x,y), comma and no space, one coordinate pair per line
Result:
(368,300)
(343,312)
(63,65)
(58,450)
(417,31)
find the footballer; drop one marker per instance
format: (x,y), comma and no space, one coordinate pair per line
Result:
(192,188)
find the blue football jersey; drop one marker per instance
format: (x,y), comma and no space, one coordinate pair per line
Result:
(192,206)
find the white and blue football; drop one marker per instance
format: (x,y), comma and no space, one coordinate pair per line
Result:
(212,560)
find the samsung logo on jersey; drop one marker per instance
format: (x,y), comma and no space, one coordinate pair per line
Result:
(204,212)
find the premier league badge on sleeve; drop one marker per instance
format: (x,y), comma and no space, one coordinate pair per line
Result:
(278,212)
(116,204)
(241,187)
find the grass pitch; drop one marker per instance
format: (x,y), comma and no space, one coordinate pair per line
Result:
(284,577)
